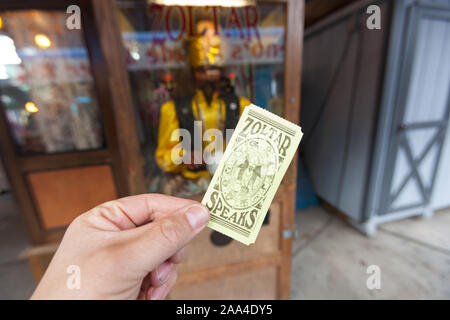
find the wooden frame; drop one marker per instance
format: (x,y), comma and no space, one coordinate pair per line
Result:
(123,152)
(287,192)
(292,79)
(104,10)
(118,143)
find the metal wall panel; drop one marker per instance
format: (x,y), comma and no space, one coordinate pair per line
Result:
(362,123)
(383,110)
(343,67)
(326,92)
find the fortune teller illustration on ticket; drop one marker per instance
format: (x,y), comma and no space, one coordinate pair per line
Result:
(249,171)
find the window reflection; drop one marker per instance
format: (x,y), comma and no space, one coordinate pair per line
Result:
(203,63)
(46,86)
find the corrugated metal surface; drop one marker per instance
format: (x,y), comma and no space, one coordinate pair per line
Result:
(321,58)
(430,78)
(367,90)
(376,126)
(342,75)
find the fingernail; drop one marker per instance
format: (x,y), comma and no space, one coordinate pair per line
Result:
(150,293)
(155,293)
(197,216)
(162,272)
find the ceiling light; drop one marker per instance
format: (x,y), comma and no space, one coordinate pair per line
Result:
(31,107)
(42,41)
(221,3)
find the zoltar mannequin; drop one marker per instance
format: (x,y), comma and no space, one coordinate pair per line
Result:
(214,104)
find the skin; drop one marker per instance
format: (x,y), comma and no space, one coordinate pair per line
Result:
(125,249)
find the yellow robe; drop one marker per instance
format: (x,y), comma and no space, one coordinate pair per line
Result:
(169,122)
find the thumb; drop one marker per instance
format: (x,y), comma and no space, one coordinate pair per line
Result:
(162,238)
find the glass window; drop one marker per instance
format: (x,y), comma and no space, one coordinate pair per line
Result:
(197,63)
(46,86)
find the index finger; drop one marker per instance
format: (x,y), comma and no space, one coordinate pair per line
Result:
(144,208)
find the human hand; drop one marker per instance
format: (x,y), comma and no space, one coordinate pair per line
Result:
(125,249)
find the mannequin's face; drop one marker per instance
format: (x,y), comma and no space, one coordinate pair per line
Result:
(210,75)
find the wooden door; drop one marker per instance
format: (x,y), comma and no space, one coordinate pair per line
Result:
(422,111)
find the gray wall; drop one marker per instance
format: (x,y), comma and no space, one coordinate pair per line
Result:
(342,73)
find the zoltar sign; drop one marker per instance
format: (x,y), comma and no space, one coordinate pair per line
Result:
(244,38)
(163,16)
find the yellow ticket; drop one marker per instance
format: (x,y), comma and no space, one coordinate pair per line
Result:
(250,172)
